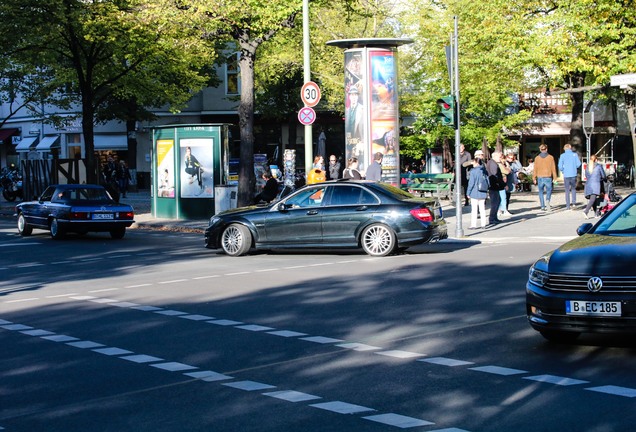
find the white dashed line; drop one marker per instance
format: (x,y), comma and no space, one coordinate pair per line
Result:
(225,322)
(61,295)
(249,385)
(446,361)
(359,346)
(196,317)
(173,366)
(173,281)
(170,312)
(400,354)
(208,376)
(342,407)
(142,358)
(60,338)
(206,277)
(286,333)
(16,327)
(291,396)
(104,290)
(22,300)
(397,420)
(497,370)
(614,390)
(138,286)
(557,380)
(85,344)
(112,351)
(321,339)
(254,327)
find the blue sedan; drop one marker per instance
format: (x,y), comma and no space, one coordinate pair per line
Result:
(74,208)
(588,285)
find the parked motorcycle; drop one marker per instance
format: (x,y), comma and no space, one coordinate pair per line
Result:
(11,184)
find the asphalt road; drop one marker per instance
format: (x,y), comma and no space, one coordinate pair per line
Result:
(156,333)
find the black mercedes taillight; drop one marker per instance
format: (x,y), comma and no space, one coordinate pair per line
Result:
(422,214)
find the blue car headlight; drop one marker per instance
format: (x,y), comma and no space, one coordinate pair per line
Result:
(214,220)
(537,275)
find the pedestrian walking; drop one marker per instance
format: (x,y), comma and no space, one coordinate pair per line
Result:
(477,190)
(569,163)
(595,177)
(374,171)
(544,175)
(465,162)
(495,178)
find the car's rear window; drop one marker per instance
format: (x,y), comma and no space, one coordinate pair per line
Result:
(82,194)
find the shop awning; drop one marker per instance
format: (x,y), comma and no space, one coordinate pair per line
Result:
(48,143)
(6,133)
(25,144)
(111,142)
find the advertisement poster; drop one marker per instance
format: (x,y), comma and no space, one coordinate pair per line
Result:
(355,108)
(165,168)
(197,179)
(384,113)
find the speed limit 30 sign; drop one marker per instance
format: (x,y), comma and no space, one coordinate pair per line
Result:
(310,94)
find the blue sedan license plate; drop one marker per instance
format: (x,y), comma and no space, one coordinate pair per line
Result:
(592,308)
(103,216)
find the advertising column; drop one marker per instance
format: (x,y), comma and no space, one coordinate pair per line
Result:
(371,109)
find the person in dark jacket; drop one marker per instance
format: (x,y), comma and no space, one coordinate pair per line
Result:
(595,176)
(334,168)
(496,184)
(270,190)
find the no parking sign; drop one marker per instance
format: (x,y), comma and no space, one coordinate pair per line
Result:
(306,115)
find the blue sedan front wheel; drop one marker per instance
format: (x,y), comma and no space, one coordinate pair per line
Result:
(24,229)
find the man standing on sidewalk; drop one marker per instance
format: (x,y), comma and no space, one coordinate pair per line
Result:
(543,175)
(569,164)
(495,178)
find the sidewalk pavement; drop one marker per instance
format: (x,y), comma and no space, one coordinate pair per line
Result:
(527,223)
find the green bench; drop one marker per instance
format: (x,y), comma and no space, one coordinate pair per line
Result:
(440,185)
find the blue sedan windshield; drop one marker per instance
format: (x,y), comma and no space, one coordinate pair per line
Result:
(621,221)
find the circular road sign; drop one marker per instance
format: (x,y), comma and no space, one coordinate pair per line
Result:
(310,94)
(306,115)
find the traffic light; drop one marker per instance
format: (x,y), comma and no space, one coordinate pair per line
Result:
(447,113)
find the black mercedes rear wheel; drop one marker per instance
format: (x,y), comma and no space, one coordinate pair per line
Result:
(378,240)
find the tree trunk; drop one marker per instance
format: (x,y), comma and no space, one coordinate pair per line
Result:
(577,136)
(89,143)
(246,125)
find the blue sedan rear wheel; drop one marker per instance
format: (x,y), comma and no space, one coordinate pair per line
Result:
(236,240)
(378,240)
(57,232)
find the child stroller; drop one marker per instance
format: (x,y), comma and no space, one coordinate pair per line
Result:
(610,197)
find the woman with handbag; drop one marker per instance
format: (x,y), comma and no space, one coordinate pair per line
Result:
(477,191)
(595,177)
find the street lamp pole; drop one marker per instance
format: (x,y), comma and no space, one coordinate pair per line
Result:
(307,78)
(459,232)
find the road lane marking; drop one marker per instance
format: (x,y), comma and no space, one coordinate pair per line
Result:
(397,420)
(341,407)
(292,396)
(249,385)
(498,370)
(445,361)
(556,380)
(614,390)
(400,354)
(22,300)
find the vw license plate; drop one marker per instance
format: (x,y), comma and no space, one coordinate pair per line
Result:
(103,216)
(592,308)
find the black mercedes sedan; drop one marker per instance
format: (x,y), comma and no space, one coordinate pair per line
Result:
(377,217)
(588,285)
(74,208)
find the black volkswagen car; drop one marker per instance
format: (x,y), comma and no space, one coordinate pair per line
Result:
(589,283)
(74,208)
(377,217)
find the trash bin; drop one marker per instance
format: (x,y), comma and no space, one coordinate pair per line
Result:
(225,197)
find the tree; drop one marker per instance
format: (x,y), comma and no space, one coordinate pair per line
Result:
(100,52)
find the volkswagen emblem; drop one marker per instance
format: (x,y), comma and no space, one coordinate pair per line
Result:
(594,284)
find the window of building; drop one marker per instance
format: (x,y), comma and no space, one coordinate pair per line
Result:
(74,146)
(232,75)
